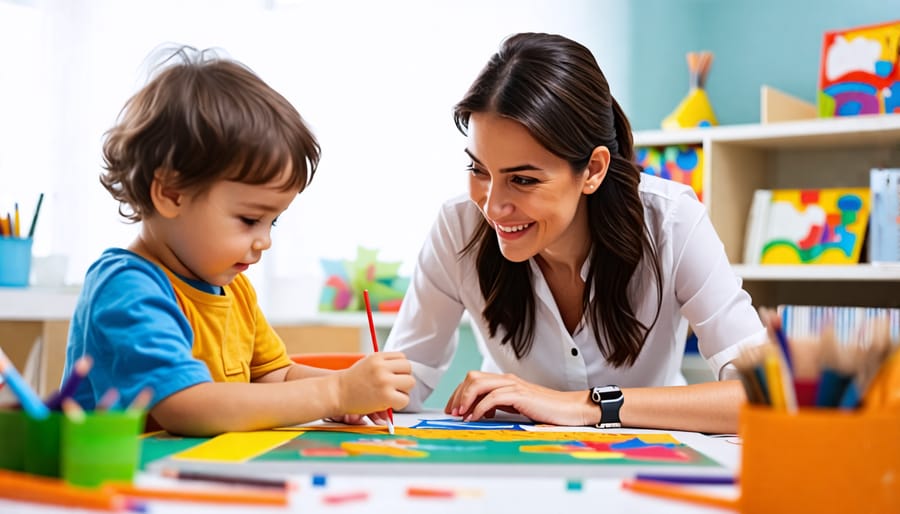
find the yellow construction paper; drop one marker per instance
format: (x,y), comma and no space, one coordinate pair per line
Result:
(236,446)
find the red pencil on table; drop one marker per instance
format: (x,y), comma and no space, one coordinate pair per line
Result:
(375,348)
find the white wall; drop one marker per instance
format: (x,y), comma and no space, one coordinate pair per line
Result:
(375,80)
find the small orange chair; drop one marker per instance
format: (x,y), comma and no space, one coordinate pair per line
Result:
(327,360)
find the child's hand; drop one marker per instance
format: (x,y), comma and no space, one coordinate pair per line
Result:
(375,383)
(378,418)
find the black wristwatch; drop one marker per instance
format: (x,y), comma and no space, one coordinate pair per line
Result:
(609,399)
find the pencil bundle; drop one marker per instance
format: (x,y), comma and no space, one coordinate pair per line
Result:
(11,223)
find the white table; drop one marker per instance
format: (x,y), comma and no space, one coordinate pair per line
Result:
(533,492)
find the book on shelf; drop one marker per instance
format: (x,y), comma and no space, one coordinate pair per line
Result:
(806,226)
(848,322)
(679,163)
(884,222)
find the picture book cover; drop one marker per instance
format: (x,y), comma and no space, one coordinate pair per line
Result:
(860,71)
(884,226)
(807,226)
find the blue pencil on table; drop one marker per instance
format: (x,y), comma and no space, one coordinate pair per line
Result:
(687,479)
(79,370)
(29,399)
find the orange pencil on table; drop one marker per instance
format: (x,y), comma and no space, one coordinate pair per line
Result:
(52,491)
(375,347)
(677,492)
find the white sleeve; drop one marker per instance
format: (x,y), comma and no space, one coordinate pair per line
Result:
(426,326)
(711,297)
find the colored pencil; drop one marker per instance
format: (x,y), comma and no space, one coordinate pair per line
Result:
(676,492)
(142,399)
(429,492)
(344,497)
(73,410)
(272,483)
(17,228)
(29,399)
(232,496)
(108,400)
(687,479)
(375,348)
(51,491)
(79,371)
(34,219)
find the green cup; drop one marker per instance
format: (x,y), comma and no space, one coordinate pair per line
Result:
(12,439)
(103,447)
(42,445)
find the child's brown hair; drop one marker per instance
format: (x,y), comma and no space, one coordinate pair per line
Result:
(207,119)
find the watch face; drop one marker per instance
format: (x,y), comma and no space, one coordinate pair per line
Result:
(605,394)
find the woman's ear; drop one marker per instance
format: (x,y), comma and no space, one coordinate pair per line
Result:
(596,169)
(166,198)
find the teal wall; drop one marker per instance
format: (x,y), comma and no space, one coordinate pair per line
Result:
(759,42)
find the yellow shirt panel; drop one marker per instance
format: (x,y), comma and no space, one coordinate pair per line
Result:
(231,335)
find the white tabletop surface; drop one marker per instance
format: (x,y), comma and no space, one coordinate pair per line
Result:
(477,493)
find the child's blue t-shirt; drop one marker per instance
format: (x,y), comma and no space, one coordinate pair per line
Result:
(128,320)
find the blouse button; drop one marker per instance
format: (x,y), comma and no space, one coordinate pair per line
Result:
(574,352)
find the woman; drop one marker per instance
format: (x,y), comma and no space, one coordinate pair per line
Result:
(578,271)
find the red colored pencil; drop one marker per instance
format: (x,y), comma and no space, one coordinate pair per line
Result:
(375,348)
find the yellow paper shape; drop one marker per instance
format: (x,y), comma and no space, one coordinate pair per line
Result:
(236,446)
(694,111)
(357,448)
(493,435)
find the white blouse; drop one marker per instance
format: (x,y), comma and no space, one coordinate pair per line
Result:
(699,287)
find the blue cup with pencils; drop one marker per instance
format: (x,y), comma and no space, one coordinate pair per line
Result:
(15,261)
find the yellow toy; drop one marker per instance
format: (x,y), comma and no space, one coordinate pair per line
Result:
(695,110)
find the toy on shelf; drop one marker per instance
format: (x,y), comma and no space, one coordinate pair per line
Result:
(860,71)
(346,280)
(695,110)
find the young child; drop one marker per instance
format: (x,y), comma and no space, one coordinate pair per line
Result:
(206,156)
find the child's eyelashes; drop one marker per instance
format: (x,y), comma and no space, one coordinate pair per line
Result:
(250,222)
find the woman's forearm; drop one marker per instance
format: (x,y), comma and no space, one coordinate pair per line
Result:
(709,407)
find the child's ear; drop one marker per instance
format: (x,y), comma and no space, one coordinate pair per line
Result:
(596,169)
(166,198)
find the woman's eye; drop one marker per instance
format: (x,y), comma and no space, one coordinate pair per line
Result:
(523,181)
(248,221)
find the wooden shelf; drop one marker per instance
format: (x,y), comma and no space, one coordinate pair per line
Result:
(812,153)
(844,132)
(859,273)
(37,304)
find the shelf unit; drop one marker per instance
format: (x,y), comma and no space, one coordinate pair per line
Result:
(833,152)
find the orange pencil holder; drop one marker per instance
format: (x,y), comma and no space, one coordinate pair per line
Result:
(819,460)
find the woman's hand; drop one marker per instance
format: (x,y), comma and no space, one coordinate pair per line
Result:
(481,394)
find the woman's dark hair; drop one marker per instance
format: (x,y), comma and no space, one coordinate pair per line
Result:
(207,119)
(554,87)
